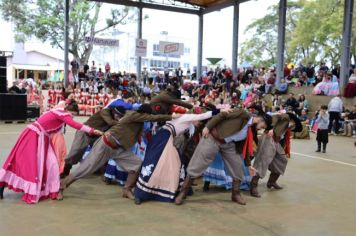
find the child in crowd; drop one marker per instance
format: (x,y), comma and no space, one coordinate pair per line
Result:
(322,133)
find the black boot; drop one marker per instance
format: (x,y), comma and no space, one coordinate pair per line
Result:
(253,186)
(138,201)
(66,170)
(2,192)
(184,190)
(319,147)
(206,186)
(272,181)
(236,194)
(324,147)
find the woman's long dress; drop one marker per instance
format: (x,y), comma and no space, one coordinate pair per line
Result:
(162,170)
(32,166)
(218,175)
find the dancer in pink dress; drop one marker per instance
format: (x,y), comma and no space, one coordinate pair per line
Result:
(32,166)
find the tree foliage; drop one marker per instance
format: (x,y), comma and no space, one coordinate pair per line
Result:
(313,33)
(44,19)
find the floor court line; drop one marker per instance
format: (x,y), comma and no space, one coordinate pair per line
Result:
(324,159)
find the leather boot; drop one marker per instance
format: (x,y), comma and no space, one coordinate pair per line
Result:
(253,186)
(2,192)
(66,170)
(272,181)
(184,190)
(129,185)
(65,184)
(236,195)
(206,186)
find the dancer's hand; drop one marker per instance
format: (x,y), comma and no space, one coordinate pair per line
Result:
(98,132)
(176,115)
(252,171)
(270,133)
(206,132)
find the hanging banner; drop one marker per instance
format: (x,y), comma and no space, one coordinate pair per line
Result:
(102,42)
(141,48)
(171,48)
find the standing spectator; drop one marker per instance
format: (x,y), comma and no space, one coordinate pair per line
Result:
(75,68)
(292,102)
(93,68)
(107,68)
(145,75)
(322,133)
(335,108)
(86,68)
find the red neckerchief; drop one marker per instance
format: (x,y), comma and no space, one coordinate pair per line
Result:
(287,142)
(248,145)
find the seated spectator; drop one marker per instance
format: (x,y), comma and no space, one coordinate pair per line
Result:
(291,102)
(324,86)
(270,83)
(304,134)
(282,87)
(310,72)
(334,89)
(303,104)
(350,123)
(350,89)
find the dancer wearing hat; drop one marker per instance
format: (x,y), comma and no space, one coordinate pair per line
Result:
(221,134)
(102,121)
(274,150)
(116,143)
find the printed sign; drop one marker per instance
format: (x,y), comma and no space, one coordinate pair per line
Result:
(171,48)
(141,47)
(102,42)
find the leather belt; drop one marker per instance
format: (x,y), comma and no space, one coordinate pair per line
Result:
(215,135)
(110,141)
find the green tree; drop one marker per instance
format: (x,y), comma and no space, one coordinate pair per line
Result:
(44,19)
(313,32)
(261,48)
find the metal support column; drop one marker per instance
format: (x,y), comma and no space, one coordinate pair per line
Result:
(139,36)
(346,44)
(200,46)
(281,39)
(66,42)
(235,38)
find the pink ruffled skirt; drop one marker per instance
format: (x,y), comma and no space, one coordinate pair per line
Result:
(32,166)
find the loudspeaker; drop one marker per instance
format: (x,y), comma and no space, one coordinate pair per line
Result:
(13,107)
(3,80)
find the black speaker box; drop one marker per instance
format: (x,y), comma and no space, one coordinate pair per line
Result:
(33,112)
(13,107)
(2,61)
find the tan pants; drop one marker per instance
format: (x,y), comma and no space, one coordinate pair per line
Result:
(80,143)
(205,154)
(270,155)
(99,156)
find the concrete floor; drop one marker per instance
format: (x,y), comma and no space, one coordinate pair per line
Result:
(318,199)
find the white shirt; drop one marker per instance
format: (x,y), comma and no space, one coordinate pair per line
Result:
(182,123)
(335,105)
